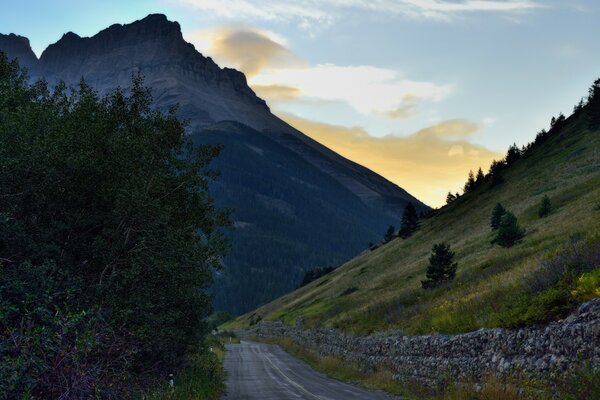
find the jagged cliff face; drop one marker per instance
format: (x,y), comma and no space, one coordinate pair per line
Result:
(308,205)
(18,47)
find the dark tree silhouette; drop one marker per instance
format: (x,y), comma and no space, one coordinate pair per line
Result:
(497,215)
(594,105)
(450,198)
(509,231)
(480,177)
(410,221)
(441,267)
(513,154)
(389,234)
(470,184)
(545,207)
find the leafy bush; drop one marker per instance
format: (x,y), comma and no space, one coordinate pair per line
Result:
(587,286)
(107,237)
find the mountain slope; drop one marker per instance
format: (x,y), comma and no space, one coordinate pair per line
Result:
(533,281)
(297,203)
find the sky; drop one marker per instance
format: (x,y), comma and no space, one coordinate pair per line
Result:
(420,91)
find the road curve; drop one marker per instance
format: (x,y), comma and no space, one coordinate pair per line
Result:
(257,371)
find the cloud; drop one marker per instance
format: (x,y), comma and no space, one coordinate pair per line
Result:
(278,74)
(368,89)
(276,93)
(314,13)
(250,50)
(427,163)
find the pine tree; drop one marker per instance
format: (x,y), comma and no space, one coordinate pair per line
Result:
(497,214)
(470,184)
(410,221)
(513,154)
(509,231)
(480,177)
(545,207)
(450,198)
(441,266)
(594,105)
(389,234)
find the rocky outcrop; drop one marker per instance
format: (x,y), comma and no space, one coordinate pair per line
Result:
(534,351)
(16,46)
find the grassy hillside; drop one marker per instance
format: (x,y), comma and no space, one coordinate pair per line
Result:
(536,280)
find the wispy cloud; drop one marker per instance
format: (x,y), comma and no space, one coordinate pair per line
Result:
(368,89)
(311,13)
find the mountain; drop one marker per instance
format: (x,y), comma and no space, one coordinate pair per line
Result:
(555,267)
(297,203)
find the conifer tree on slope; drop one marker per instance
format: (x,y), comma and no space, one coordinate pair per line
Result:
(410,221)
(441,267)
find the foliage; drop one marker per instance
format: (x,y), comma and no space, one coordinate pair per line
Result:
(315,274)
(441,267)
(587,286)
(545,207)
(497,215)
(594,105)
(450,197)
(389,234)
(218,318)
(107,239)
(560,283)
(470,184)
(202,377)
(410,221)
(509,231)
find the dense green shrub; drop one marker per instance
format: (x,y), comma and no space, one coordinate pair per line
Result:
(107,237)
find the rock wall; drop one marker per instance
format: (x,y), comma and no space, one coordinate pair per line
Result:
(535,351)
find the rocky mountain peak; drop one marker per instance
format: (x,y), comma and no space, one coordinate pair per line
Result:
(18,47)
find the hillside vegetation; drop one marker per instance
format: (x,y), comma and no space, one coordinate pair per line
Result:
(540,278)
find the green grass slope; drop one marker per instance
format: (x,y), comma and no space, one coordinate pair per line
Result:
(536,280)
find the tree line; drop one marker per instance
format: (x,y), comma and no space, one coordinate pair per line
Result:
(590,105)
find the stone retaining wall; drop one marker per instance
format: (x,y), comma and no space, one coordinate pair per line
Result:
(557,347)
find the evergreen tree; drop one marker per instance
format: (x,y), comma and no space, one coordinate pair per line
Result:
(441,266)
(470,184)
(480,177)
(450,198)
(513,154)
(495,171)
(389,234)
(545,207)
(509,231)
(410,221)
(497,215)
(594,105)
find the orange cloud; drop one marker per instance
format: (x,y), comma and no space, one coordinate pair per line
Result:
(250,50)
(427,163)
